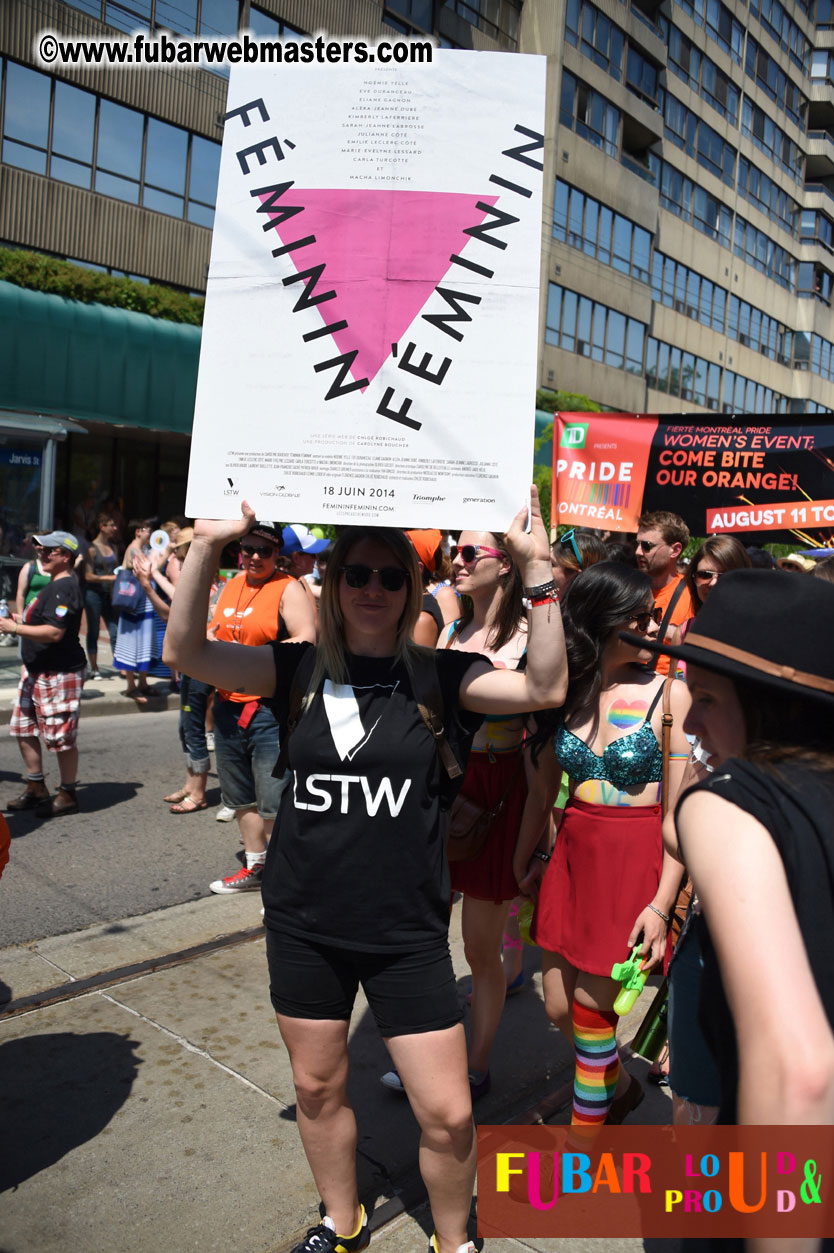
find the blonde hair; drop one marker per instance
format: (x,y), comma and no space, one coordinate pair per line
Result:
(330,650)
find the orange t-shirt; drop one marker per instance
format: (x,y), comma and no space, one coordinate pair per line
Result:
(248,615)
(683,611)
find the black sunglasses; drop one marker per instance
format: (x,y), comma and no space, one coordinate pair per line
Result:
(262,550)
(391,578)
(642,620)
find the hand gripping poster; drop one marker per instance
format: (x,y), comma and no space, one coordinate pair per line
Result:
(369,344)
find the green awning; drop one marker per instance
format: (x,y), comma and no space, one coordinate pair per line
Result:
(96,363)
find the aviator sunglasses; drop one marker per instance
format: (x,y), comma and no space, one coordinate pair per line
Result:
(469,553)
(391,578)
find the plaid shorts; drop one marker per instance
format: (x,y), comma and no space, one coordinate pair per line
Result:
(48,704)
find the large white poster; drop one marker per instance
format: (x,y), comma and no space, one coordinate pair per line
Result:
(369,345)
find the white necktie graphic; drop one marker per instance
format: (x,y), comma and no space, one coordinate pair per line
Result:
(342,711)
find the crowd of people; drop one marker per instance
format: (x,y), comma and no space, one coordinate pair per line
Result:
(580,726)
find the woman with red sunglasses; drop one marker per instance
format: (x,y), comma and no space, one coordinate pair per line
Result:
(356,885)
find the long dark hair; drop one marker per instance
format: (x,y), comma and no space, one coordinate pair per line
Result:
(596,603)
(510,616)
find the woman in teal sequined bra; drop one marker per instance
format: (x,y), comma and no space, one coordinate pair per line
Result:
(608,885)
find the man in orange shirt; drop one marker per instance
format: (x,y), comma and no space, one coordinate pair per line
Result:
(259,605)
(661,538)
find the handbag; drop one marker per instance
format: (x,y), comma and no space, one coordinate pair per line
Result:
(127,593)
(470,823)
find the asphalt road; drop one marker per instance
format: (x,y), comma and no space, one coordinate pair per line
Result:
(124,854)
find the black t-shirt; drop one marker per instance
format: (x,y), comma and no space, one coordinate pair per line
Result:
(358,860)
(59,604)
(796,806)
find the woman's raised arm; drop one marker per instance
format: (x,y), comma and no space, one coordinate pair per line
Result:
(235,667)
(544,683)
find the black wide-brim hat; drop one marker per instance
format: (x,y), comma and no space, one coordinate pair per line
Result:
(773,629)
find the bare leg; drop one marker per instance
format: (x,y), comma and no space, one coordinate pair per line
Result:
(512,954)
(255,832)
(196,786)
(558,985)
(68,765)
(433,1069)
(30,751)
(319,1058)
(483,926)
(600,992)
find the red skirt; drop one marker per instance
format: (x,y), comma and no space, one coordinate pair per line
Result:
(490,877)
(604,870)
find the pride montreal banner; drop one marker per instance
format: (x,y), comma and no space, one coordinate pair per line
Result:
(724,474)
(719,1183)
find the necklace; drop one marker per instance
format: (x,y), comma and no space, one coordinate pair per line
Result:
(240,614)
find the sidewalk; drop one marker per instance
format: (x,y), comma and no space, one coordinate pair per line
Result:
(101,696)
(153,1110)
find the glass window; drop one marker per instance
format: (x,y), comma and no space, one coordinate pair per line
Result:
(719,301)
(687,375)
(583,327)
(606,226)
(705,308)
(219,17)
(577,207)
(591,226)
(205,170)
(554,314)
(73,123)
(663,368)
(119,140)
(692,294)
(635,338)
(713,382)
(598,334)
(569,303)
(615,345)
(674,372)
(128,14)
(166,153)
(560,211)
(622,244)
(642,248)
(27,106)
(657,277)
(699,390)
(177,15)
(651,362)
(669,283)
(263,24)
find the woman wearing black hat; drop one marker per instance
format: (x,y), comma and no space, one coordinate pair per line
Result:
(758,838)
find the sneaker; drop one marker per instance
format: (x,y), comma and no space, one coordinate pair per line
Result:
(224,814)
(469,1247)
(392,1081)
(323,1238)
(94,674)
(210,741)
(247,879)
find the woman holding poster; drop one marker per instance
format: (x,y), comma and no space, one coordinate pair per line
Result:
(356,884)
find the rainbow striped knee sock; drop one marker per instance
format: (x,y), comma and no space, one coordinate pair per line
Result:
(597,1064)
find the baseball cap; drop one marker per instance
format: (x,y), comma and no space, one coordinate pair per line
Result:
(298,539)
(266,530)
(58,539)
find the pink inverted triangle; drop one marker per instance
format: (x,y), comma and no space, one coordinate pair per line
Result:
(385,252)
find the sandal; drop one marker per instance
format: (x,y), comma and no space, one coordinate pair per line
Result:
(176,797)
(659,1071)
(188,806)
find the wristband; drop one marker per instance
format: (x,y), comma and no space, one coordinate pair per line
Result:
(541,855)
(660,914)
(541,589)
(552,598)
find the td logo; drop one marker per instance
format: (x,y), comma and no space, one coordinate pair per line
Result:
(574,435)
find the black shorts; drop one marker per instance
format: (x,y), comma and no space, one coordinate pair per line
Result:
(408,993)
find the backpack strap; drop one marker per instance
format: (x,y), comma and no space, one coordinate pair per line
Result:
(666,741)
(426,684)
(298,691)
(670,608)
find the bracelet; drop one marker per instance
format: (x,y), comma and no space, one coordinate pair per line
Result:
(660,914)
(541,589)
(551,599)
(542,856)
